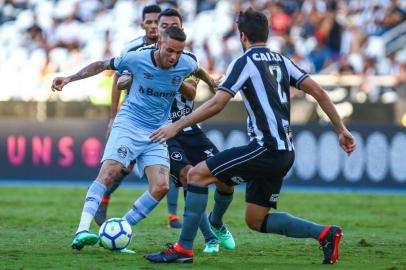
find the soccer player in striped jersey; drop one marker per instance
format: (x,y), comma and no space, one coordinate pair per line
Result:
(263,79)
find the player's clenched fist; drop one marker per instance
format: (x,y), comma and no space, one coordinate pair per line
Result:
(59,82)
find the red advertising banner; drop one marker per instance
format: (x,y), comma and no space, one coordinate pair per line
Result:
(70,149)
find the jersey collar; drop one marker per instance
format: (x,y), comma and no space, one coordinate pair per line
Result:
(255,47)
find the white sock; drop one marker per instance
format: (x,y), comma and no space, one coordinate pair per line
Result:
(92,201)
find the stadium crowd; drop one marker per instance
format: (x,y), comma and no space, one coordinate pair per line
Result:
(41,37)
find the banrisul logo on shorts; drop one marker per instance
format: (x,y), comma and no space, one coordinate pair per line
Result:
(154,93)
(122,151)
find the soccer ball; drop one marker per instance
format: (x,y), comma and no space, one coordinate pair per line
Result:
(115,233)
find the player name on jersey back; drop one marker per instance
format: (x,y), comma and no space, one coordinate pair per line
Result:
(268,56)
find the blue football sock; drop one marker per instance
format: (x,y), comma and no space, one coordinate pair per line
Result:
(205,229)
(221,202)
(92,201)
(291,226)
(172,198)
(141,208)
(196,201)
(204,225)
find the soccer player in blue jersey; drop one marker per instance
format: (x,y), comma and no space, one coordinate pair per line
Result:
(150,25)
(188,148)
(263,78)
(150,16)
(158,75)
(168,17)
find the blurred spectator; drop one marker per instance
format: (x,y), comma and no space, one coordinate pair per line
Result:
(368,88)
(302,62)
(280,21)
(86,10)
(67,34)
(345,67)
(203,5)
(34,37)
(321,55)
(322,36)
(394,15)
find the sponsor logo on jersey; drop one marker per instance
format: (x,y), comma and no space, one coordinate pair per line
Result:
(152,92)
(180,113)
(176,156)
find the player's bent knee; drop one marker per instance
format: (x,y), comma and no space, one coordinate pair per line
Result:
(254,225)
(107,177)
(193,176)
(160,190)
(183,174)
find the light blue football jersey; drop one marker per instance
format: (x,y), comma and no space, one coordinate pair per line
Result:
(153,89)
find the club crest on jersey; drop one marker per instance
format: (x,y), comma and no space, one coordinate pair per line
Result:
(237,179)
(176,80)
(176,156)
(122,151)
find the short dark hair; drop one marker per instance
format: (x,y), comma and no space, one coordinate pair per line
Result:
(254,25)
(175,33)
(170,12)
(150,9)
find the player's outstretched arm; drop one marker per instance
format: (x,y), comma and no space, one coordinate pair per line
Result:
(205,111)
(204,76)
(88,71)
(115,98)
(188,88)
(347,141)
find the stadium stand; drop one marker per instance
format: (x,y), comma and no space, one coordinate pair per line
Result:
(355,47)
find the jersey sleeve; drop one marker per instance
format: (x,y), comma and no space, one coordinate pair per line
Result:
(120,63)
(236,75)
(191,62)
(296,74)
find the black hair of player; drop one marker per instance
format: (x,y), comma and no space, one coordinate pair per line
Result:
(175,33)
(170,12)
(254,25)
(150,9)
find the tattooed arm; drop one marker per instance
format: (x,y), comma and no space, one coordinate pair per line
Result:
(88,71)
(204,76)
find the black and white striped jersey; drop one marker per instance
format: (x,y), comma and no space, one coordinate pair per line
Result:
(182,107)
(263,79)
(134,45)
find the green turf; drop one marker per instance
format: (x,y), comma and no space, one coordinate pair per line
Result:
(37,225)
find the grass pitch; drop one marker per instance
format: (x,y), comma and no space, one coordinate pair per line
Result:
(37,226)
